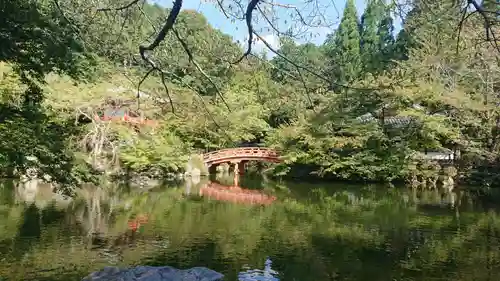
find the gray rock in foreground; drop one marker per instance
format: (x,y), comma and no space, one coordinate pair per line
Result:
(153,273)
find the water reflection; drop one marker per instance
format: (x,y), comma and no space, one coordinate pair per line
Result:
(312,232)
(39,193)
(267,274)
(234,193)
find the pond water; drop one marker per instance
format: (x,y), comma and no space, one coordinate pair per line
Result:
(306,232)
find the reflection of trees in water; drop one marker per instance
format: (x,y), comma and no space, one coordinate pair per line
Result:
(10,214)
(93,210)
(29,231)
(41,194)
(93,228)
(327,237)
(367,239)
(6,196)
(425,200)
(266,274)
(26,206)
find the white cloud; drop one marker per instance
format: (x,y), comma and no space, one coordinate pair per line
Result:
(271,39)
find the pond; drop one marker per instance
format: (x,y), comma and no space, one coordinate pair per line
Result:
(301,232)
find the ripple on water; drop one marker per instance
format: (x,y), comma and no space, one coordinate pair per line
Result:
(307,236)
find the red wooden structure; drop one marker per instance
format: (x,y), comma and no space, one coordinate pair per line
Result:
(134,224)
(241,154)
(124,115)
(235,194)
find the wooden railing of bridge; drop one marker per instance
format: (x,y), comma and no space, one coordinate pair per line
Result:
(241,154)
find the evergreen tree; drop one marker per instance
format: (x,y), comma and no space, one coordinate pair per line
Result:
(386,38)
(404,41)
(401,47)
(370,40)
(343,47)
(376,36)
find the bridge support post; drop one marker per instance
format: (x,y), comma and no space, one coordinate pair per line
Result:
(236,167)
(237,171)
(236,180)
(241,167)
(212,169)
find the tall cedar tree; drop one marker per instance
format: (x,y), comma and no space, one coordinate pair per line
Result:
(343,47)
(376,37)
(370,40)
(385,33)
(404,41)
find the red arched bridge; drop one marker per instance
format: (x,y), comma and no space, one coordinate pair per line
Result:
(240,155)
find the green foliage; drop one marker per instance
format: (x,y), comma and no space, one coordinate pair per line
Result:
(409,95)
(164,152)
(376,37)
(27,130)
(38,39)
(306,55)
(344,47)
(212,49)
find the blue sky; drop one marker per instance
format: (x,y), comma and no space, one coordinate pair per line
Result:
(330,15)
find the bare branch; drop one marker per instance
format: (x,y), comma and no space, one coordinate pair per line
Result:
(120,34)
(464,18)
(286,6)
(71,23)
(172,16)
(487,23)
(305,88)
(202,102)
(227,14)
(269,22)
(191,58)
(162,73)
(167,91)
(119,8)
(139,86)
(248,16)
(307,69)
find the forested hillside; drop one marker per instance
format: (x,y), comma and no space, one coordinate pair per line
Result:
(361,106)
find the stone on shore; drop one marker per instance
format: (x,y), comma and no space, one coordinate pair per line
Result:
(154,273)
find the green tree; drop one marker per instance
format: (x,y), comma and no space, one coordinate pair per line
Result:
(370,39)
(376,37)
(343,47)
(386,42)
(38,39)
(27,129)
(305,55)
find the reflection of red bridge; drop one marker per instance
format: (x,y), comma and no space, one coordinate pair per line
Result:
(239,156)
(235,194)
(134,224)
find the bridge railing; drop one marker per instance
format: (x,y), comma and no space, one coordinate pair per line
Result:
(240,152)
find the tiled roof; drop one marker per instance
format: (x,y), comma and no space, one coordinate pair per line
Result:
(397,121)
